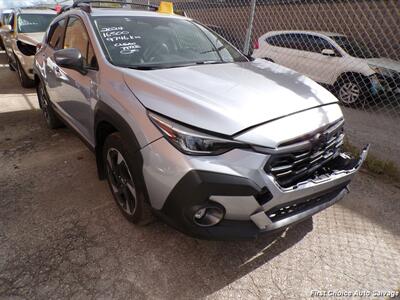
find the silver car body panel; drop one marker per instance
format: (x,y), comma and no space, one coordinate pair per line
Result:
(296,125)
(226,98)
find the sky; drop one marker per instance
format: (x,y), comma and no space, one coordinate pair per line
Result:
(18,3)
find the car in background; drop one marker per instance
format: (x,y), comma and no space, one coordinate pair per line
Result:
(227,34)
(182,124)
(24,32)
(351,69)
(4,17)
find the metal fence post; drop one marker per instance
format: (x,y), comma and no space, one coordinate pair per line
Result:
(246,47)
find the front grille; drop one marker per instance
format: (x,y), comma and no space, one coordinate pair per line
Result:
(314,152)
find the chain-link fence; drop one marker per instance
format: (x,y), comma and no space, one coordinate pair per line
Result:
(352,47)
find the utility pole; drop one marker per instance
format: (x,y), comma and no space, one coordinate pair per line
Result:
(246,47)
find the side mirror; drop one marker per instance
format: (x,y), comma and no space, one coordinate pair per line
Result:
(328,52)
(70,58)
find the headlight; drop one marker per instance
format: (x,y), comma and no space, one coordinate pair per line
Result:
(381,70)
(190,141)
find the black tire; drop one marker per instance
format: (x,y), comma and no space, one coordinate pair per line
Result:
(10,63)
(26,82)
(125,181)
(351,90)
(51,118)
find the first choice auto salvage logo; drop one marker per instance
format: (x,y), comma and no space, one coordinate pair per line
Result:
(354,293)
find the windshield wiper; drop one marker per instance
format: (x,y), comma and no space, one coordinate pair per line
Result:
(169,66)
(143,67)
(213,50)
(209,62)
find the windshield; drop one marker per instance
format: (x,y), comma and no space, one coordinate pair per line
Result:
(161,42)
(28,23)
(353,48)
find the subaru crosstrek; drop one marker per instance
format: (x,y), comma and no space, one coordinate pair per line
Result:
(184,125)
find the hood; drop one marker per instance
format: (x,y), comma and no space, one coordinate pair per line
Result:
(31,38)
(386,63)
(226,98)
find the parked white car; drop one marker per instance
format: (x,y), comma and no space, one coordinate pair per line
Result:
(332,59)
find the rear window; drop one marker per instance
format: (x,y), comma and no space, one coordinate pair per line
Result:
(29,23)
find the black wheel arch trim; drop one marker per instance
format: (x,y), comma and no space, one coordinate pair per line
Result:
(106,121)
(352,75)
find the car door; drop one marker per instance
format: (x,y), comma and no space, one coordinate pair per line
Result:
(284,51)
(45,59)
(74,91)
(314,64)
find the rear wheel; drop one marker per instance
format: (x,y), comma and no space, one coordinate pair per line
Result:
(124,182)
(52,120)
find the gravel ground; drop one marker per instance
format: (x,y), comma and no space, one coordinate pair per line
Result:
(62,236)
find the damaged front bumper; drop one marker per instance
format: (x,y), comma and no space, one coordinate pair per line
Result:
(252,200)
(293,204)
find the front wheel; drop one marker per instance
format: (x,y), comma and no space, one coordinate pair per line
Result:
(49,115)
(350,92)
(125,181)
(26,82)
(10,63)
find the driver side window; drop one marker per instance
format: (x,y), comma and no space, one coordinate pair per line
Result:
(77,37)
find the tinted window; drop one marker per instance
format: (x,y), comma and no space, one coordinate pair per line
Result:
(28,23)
(314,43)
(299,41)
(353,48)
(77,37)
(56,34)
(157,42)
(278,40)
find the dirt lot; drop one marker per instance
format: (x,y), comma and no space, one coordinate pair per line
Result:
(62,236)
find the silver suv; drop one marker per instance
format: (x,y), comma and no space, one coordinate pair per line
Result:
(182,124)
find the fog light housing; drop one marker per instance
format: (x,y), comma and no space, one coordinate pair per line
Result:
(208,216)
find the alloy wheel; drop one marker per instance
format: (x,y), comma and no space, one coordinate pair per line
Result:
(349,93)
(120,180)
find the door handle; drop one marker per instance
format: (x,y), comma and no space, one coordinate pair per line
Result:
(57,72)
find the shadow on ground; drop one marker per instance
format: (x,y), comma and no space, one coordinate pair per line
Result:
(61,235)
